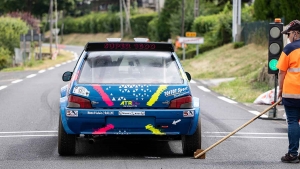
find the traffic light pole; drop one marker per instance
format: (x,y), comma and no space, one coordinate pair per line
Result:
(275,96)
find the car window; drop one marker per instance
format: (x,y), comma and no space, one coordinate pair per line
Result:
(130,67)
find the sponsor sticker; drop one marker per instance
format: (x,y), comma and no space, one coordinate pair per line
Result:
(189,113)
(126,103)
(176,92)
(72,113)
(81,91)
(131,113)
(101,112)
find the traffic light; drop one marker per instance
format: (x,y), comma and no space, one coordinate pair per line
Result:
(275,45)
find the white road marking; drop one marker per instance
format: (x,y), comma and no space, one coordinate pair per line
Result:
(203,88)
(250,137)
(257,113)
(3,87)
(30,76)
(227,100)
(18,132)
(10,136)
(17,81)
(57,65)
(192,81)
(69,61)
(42,71)
(247,133)
(64,63)
(50,68)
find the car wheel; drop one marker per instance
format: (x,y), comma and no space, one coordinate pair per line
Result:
(190,143)
(66,142)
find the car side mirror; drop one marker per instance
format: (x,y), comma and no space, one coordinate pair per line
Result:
(67,76)
(188,76)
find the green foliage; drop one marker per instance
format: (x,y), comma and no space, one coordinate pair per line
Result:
(170,7)
(5,57)
(270,9)
(175,21)
(290,10)
(139,23)
(152,30)
(210,8)
(204,24)
(33,22)
(238,44)
(215,28)
(10,31)
(92,23)
(36,7)
(263,10)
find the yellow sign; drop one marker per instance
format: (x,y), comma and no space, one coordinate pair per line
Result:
(190,34)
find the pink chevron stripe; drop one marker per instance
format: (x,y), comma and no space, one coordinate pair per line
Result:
(104,96)
(103,130)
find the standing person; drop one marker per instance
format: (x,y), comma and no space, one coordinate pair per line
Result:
(289,88)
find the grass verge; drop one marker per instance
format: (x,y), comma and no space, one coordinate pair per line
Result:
(33,64)
(244,63)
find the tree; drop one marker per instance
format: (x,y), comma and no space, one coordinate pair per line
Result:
(35,7)
(175,22)
(170,7)
(290,10)
(270,9)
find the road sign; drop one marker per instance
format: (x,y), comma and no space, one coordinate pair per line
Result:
(55,31)
(34,37)
(191,40)
(190,34)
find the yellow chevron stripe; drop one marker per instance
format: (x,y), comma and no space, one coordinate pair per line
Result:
(154,130)
(155,96)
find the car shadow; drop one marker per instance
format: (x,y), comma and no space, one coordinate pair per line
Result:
(33,148)
(124,148)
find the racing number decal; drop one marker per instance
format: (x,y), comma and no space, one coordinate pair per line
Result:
(155,96)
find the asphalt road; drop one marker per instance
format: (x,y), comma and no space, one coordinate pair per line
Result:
(29,103)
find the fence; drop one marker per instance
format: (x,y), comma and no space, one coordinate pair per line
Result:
(255,32)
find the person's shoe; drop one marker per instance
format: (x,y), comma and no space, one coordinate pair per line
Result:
(288,158)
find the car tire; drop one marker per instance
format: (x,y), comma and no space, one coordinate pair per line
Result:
(190,143)
(66,142)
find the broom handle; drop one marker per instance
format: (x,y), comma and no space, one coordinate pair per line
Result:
(238,129)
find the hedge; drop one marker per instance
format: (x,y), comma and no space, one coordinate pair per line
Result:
(5,57)
(10,31)
(152,29)
(139,23)
(92,23)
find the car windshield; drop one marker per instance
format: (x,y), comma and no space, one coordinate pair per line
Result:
(130,67)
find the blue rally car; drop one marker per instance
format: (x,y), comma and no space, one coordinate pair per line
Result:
(125,89)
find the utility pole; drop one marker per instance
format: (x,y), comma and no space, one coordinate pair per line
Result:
(127,12)
(196,8)
(182,18)
(236,20)
(56,33)
(121,18)
(51,25)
